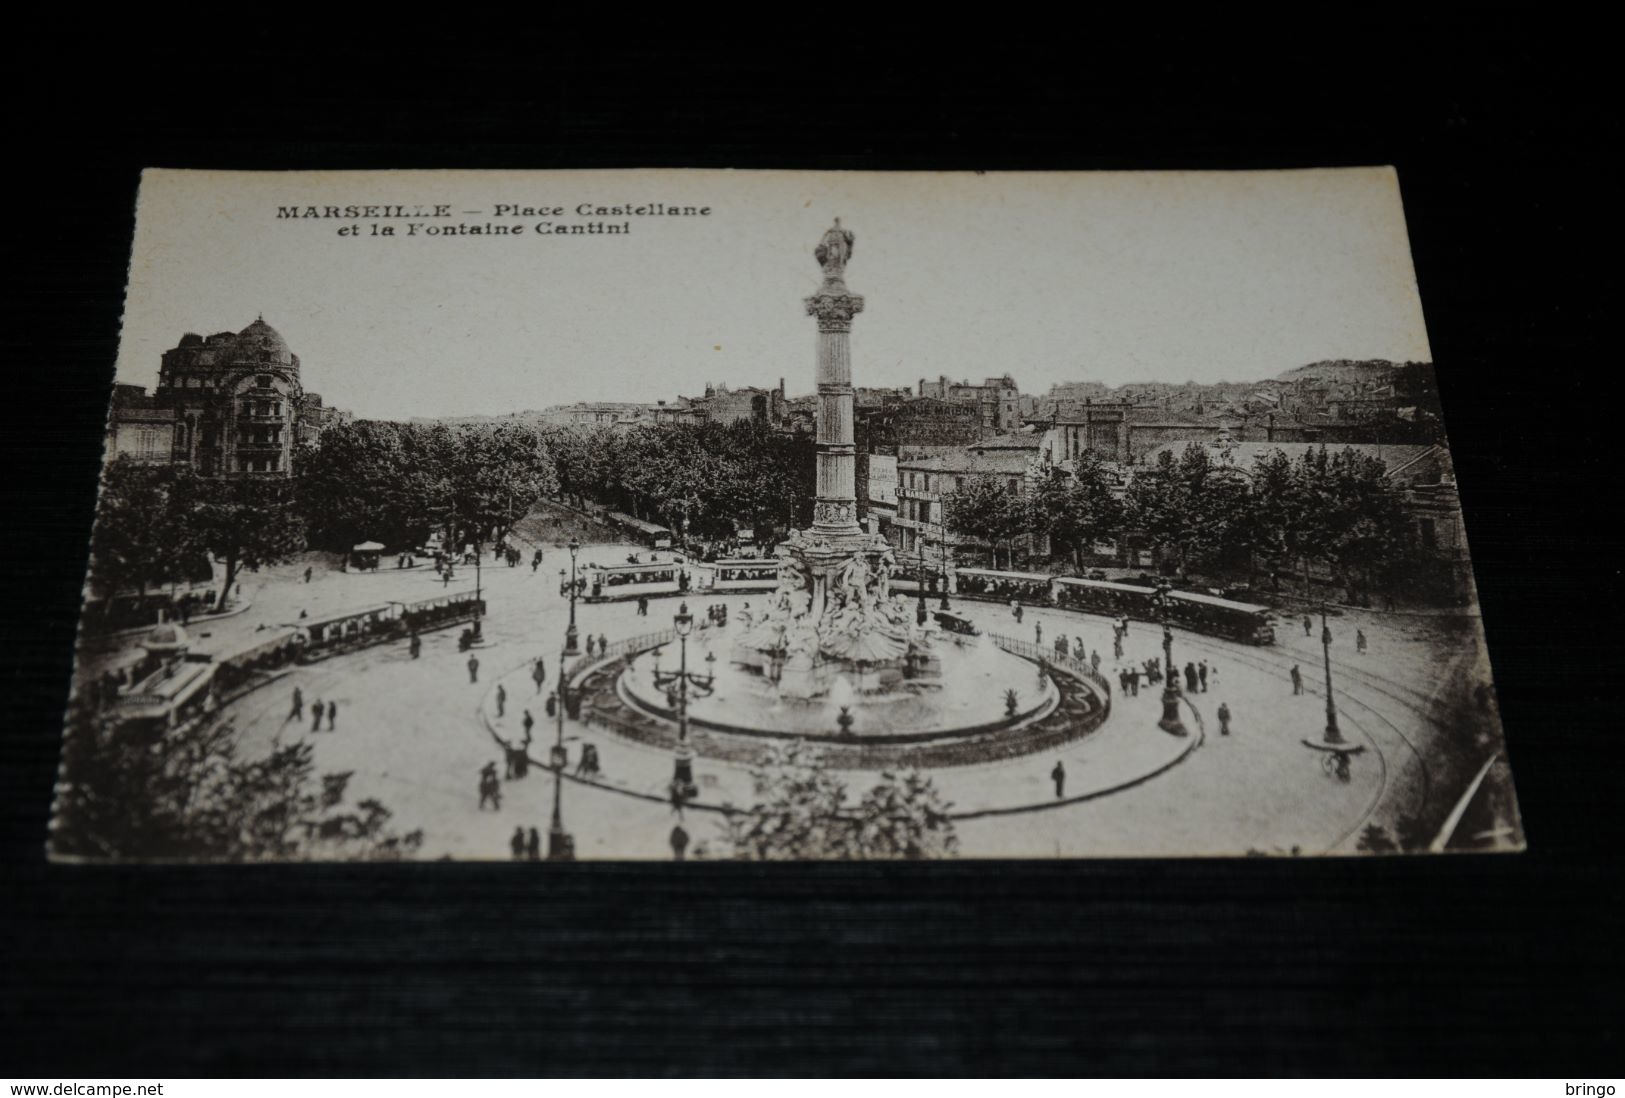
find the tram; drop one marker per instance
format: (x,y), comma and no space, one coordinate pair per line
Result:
(172,694)
(355,629)
(983,583)
(631,581)
(744,575)
(1246,622)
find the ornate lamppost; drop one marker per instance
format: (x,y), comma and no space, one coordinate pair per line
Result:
(682,781)
(1170,722)
(561,845)
(944,574)
(572,639)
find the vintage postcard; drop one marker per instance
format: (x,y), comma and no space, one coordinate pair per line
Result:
(706,515)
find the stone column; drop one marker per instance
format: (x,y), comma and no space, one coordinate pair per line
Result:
(835,512)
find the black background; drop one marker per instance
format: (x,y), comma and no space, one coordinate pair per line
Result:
(1499,126)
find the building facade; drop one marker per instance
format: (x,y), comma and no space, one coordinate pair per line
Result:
(997,400)
(924,484)
(229,404)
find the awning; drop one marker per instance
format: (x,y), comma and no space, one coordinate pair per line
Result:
(368,547)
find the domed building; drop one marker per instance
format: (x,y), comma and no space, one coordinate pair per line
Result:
(228,404)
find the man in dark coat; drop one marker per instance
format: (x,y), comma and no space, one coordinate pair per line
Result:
(1058,775)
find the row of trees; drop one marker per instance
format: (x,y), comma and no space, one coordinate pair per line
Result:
(159,525)
(395,482)
(389,482)
(696,479)
(1337,508)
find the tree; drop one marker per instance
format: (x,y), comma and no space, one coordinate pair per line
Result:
(985,508)
(1078,510)
(188,795)
(496,474)
(802,813)
(248,522)
(139,541)
(369,480)
(1338,508)
(1190,509)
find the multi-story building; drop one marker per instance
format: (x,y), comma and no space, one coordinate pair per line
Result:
(997,399)
(924,483)
(228,404)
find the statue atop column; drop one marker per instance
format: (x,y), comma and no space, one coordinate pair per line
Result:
(833,251)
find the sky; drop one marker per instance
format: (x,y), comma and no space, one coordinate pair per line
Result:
(1051,277)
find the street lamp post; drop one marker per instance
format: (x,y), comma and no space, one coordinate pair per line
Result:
(478,590)
(572,639)
(943,571)
(682,780)
(561,845)
(920,613)
(1170,722)
(1333,735)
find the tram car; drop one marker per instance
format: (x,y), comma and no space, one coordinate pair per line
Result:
(1031,588)
(1246,622)
(437,613)
(631,581)
(744,575)
(323,637)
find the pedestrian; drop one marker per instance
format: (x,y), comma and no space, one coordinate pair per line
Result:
(445,578)
(1201,675)
(1190,678)
(1060,644)
(473,669)
(316,715)
(1038,632)
(528,723)
(1018,613)
(490,787)
(552,707)
(1224,719)
(1306,625)
(533,848)
(307,575)
(332,715)
(1359,641)
(517,844)
(502,701)
(1058,775)
(507,763)
(1094,660)
(603,645)
(415,646)
(1077,649)
(1122,682)
(679,842)
(1134,682)
(1297,680)
(538,674)
(1117,647)
(297,713)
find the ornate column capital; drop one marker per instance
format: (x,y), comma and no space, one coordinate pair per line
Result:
(834,310)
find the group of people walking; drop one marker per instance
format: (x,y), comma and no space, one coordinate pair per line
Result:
(317,711)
